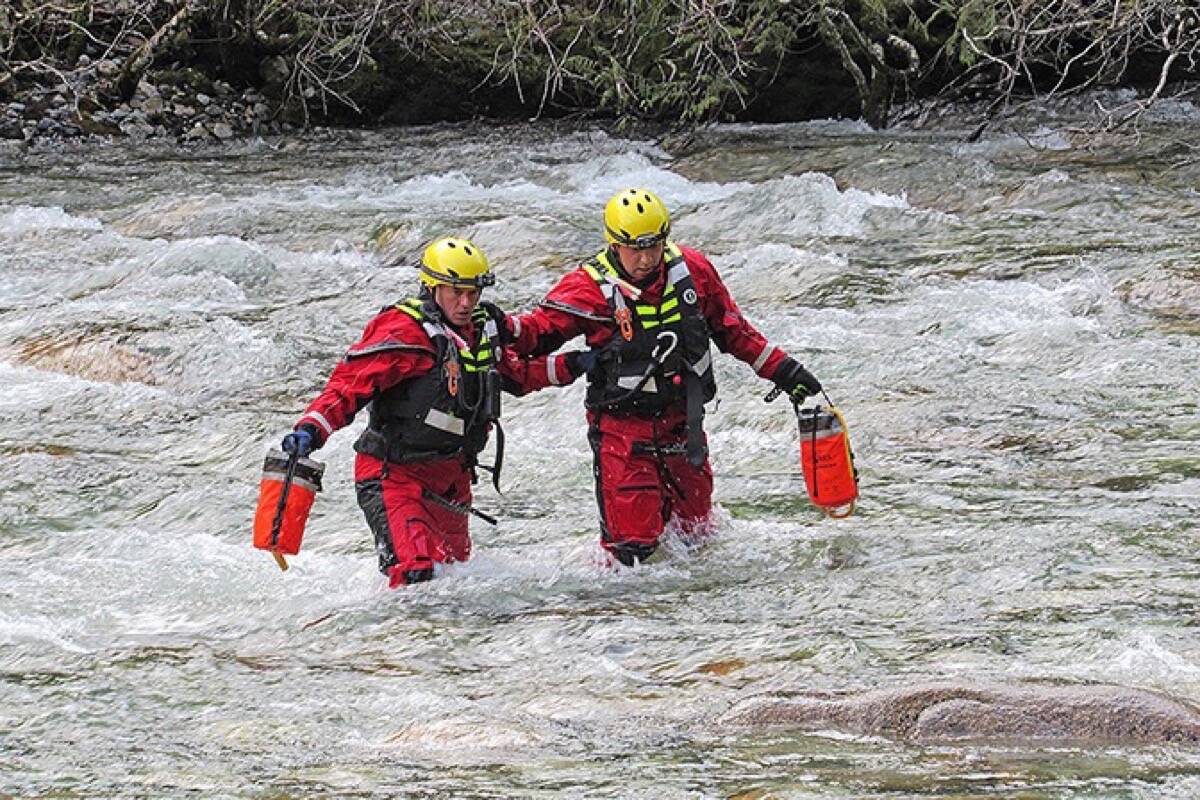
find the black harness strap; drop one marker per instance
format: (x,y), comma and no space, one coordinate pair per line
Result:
(696,450)
(277,522)
(660,452)
(458,508)
(499,463)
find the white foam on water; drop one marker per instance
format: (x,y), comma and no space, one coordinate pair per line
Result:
(26,388)
(23,220)
(795,207)
(579,189)
(820,127)
(229,257)
(37,632)
(33,388)
(1149,659)
(218,356)
(774,274)
(137,585)
(592,182)
(168,215)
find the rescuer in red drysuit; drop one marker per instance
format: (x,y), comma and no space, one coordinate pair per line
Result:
(649,308)
(430,370)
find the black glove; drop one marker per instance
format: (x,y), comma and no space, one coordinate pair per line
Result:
(793,379)
(302,441)
(485,311)
(582,361)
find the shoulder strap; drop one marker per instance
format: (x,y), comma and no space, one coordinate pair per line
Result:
(412,307)
(604,272)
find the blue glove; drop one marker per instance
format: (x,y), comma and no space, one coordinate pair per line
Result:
(792,378)
(301,441)
(582,361)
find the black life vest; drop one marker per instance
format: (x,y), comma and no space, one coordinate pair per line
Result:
(657,351)
(444,412)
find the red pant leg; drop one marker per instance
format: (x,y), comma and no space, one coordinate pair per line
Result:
(629,488)
(637,489)
(411,531)
(691,500)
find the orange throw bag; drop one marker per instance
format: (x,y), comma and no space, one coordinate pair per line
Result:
(285,496)
(826,460)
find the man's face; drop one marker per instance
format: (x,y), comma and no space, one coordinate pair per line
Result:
(456,302)
(640,264)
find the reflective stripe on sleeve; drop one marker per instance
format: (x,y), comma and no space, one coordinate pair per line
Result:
(319,418)
(703,364)
(552,370)
(762,357)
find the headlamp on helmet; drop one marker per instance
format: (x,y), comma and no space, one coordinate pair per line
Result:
(455,262)
(636,218)
(647,240)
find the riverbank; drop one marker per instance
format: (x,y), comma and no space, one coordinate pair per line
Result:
(184,106)
(169,121)
(204,70)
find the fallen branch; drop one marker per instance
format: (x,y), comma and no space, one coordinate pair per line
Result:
(137,64)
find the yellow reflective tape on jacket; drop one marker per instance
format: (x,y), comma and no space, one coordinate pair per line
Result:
(412,308)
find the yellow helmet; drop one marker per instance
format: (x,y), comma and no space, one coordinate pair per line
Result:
(455,262)
(636,217)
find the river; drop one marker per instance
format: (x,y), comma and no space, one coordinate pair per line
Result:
(1011,328)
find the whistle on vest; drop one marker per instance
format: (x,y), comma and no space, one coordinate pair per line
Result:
(625,323)
(453,372)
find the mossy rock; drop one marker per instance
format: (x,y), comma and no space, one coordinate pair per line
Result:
(188,79)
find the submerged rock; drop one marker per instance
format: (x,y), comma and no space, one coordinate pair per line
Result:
(87,356)
(941,712)
(1165,292)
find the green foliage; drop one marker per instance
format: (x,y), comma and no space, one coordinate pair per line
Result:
(659,59)
(873,15)
(680,61)
(975,19)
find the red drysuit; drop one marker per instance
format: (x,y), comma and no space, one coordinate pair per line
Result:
(637,412)
(416,457)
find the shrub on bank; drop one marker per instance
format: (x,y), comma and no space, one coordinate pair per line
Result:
(103,66)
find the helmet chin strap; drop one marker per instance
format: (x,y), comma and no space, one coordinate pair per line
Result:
(429,300)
